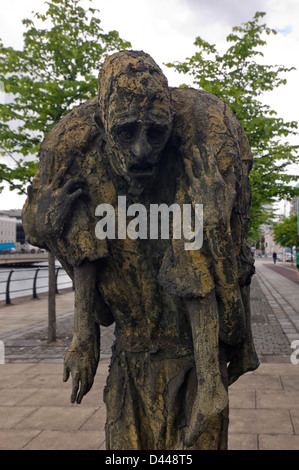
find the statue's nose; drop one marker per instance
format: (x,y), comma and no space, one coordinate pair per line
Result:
(141,148)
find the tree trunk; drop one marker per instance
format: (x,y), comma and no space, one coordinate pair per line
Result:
(51,299)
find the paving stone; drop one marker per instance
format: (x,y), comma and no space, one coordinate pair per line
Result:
(58,440)
(56,418)
(10,380)
(270,442)
(16,440)
(97,421)
(295,419)
(277,369)
(10,416)
(17,370)
(260,421)
(242,442)
(14,396)
(277,399)
(290,382)
(47,381)
(37,368)
(260,382)
(239,398)
(46,397)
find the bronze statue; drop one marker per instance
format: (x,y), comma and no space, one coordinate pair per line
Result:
(182,317)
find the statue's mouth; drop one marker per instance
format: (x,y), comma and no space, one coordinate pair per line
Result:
(142,170)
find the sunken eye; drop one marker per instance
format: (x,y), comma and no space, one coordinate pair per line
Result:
(156,133)
(125,134)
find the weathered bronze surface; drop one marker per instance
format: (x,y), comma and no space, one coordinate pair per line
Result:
(182,317)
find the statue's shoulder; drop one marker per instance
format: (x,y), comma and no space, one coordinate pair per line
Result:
(201,113)
(198,102)
(69,143)
(74,131)
(186,95)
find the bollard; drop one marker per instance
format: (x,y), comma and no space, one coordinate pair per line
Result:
(34,284)
(8,302)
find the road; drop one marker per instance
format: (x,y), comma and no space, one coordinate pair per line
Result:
(286,270)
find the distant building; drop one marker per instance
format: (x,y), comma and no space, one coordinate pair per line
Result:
(13,219)
(15,213)
(8,232)
(269,243)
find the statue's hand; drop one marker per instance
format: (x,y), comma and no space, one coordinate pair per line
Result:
(205,413)
(55,202)
(81,362)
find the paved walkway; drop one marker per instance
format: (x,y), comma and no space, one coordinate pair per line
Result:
(35,411)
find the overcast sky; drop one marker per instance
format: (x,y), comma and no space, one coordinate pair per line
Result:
(166,29)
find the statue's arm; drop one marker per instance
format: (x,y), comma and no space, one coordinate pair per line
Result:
(216,156)
(83,355)
(211,399)
(208,187)
(59,183)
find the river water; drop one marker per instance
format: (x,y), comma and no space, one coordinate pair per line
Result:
(22,280)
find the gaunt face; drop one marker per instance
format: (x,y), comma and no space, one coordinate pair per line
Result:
(138,142)
(136,137)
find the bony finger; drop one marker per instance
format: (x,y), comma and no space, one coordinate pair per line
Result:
(75,388)
(188,168)
(76,194)
(58,178)
(198,164)
(83,387)
(73,184)
(66,374)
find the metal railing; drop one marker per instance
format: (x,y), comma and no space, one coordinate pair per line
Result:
(23,282)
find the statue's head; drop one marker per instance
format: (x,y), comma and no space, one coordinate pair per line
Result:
(135,114)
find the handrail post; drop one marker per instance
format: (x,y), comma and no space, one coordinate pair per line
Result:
(34,284)
(8,302)
(56,280)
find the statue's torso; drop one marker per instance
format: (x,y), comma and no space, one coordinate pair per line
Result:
(145,314)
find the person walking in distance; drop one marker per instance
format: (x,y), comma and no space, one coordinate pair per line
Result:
(297,262)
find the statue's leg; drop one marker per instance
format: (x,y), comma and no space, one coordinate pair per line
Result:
(123,400)
(147,397)
(215,436)
(211,399)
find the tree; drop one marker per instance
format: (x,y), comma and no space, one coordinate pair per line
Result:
(285,233)
(56,71)
(238,79)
